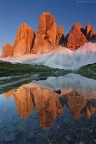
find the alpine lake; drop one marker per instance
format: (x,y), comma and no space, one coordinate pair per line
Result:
(53,110)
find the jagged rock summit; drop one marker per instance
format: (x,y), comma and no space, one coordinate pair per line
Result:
(76,37)
(7,50)
(89,32)
(60,35)
(24,40)
(47,38)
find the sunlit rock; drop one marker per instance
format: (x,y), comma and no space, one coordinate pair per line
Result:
(24,40)
(45,40)
(89,31)
(75,37)
(7,50)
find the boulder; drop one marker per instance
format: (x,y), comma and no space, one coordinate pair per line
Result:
(57,90)
(45,40)
(76,37)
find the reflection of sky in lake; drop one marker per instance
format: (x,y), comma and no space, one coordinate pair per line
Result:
(34,113)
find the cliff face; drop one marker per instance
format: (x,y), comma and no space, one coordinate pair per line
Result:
(48,103)
(60,36)
(45,40)
(89,31)
(76,103)
(7,50)
(24,40)
(76,37)
(45,101)
(23,100)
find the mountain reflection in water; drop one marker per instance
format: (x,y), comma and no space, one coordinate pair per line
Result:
(50,104)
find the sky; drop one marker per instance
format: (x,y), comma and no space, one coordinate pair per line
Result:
(66,12)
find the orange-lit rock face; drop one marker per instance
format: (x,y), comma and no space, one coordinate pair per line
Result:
(47,103)
(75,38)
(24,103)
(45,40)
(89,32)
(9,94)
(89,110)
(60,35)
(23,100)
(7,50)
(75,103)
(24,40)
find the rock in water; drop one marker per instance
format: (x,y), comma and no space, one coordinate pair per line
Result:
(76,37)
(7,50)
(24,40)
(45,40)
(89,32)
(58,90)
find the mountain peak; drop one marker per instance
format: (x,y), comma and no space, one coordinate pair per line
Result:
(89,31)
(77,25)
(7,50)
(24,40)
(76,37)
(46,13)
(48,37)
(24,25)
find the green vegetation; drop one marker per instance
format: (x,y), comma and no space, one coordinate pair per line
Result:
(88,71)
(14,75)
(14,85)
(8,69)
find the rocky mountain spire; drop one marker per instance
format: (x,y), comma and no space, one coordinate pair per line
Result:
(75,37)
(45,40)
(24,40)
(89,31)
(7,50)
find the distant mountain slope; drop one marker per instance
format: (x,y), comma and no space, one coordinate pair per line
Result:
(64,58)
(61,57)
(88,70)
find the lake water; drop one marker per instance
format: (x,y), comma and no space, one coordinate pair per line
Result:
(34,114)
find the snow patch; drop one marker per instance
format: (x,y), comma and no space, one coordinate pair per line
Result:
(61,57)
